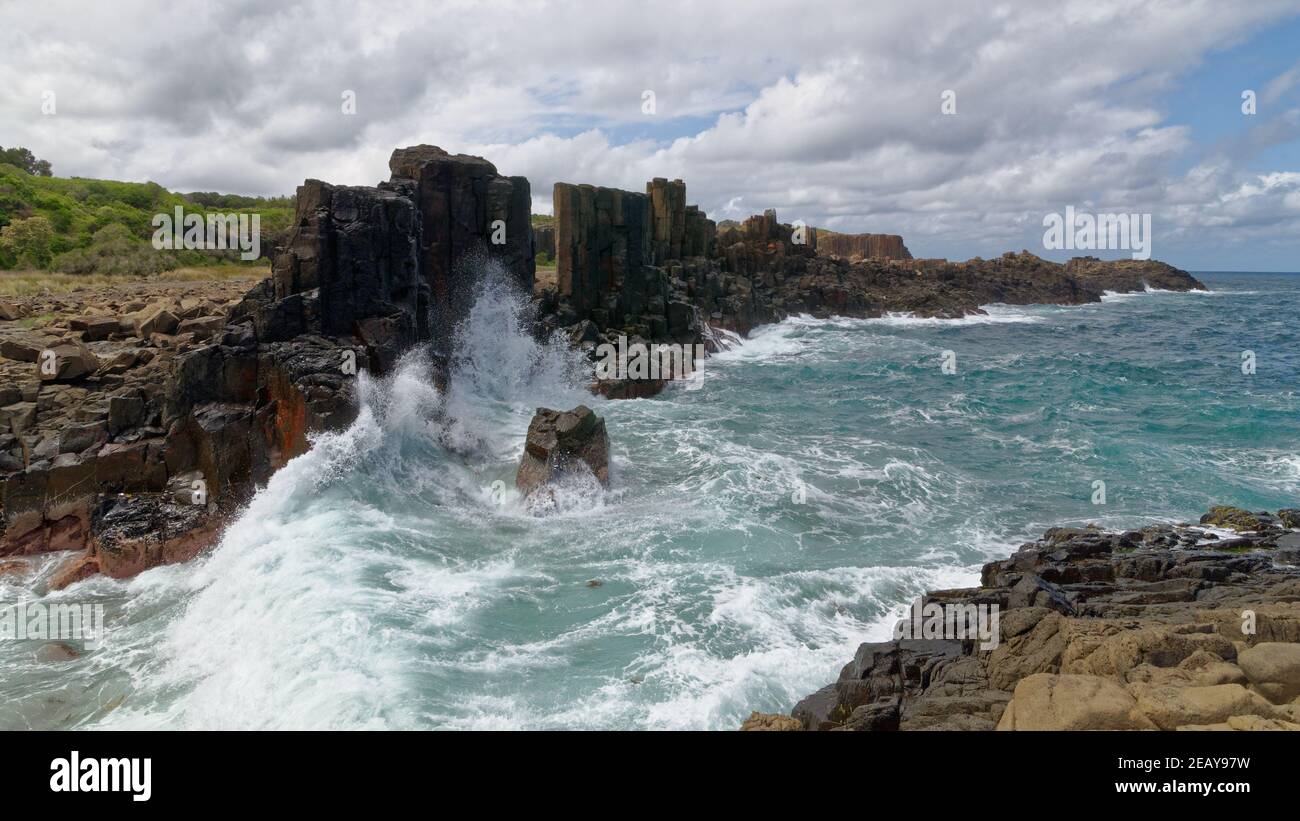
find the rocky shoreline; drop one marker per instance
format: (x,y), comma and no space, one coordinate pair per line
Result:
(135,420)
(1169,627)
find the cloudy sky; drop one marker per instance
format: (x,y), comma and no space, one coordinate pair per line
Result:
(830,111)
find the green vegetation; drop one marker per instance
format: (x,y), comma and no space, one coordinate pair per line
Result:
(28,241)
(26,160)
(103,227)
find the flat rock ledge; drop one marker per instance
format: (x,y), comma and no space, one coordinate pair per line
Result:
(1170,627)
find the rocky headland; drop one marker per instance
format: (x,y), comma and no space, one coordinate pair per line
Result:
(1168,627)
(135,420)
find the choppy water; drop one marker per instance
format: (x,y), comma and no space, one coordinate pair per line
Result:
(756,531)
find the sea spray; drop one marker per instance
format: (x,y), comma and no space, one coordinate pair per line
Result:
(376,582)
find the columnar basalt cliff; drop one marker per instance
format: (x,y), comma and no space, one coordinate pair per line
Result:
(1167,627)
(627,266)
(160,415)
(466,209)
(602,243)
(862,246)
(132,424)
(352,264)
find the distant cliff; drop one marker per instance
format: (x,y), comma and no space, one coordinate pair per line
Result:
(862,246)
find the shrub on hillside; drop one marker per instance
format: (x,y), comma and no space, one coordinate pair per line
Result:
(26,160)
(114,251)
(26,243)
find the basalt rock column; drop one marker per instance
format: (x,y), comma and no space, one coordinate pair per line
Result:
(863,246)
(602,237)
(700,231)
(544,241)
(464,205)
(668,225)
(360,247)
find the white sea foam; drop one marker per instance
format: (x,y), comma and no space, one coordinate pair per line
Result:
(993,315)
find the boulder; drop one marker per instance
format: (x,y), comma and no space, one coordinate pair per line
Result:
(202,327)
(125,411)
(770,721)
(1273,669)
(21,348)
(10,311)
(18,417)
(1232,518)
(1045,701)
(1170,707)
(80,437)
(156,319)
(561,443)
(72,361)
(95,328)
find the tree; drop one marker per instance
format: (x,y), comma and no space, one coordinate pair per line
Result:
(26,160)
(29,241)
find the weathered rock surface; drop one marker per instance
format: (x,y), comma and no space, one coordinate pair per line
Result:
(136,420)
(1153,628)
(97,443)
(467,211)
(562,443)
(862,246)
(770,722)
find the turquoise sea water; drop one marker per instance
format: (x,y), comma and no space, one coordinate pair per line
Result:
(756,530)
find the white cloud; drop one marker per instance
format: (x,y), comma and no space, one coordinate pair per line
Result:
(830,113)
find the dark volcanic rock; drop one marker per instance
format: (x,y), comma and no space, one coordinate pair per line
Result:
(357,249)
(1098,630)
(466,208)
(561,443)
(862,246)
(602,236)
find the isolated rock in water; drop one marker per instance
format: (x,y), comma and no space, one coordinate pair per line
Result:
(563,443)
(56,652)
(1232,518)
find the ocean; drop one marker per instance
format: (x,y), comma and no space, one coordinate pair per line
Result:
(756,530)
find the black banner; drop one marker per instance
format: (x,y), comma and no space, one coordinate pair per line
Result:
(143,772)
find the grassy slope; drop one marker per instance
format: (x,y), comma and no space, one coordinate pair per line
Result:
(78,207)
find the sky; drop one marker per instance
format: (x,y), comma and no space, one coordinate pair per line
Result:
(830,112)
